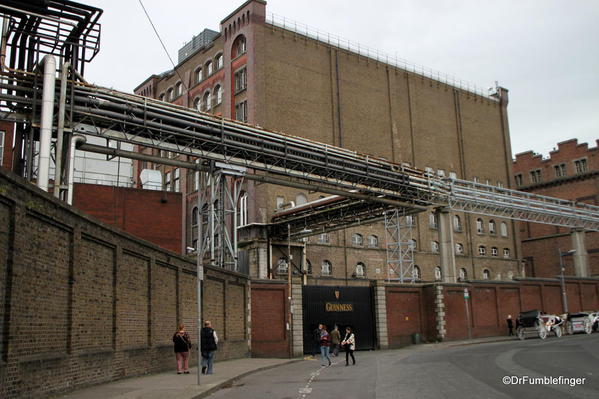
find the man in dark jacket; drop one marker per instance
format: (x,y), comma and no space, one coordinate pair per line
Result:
(209,346)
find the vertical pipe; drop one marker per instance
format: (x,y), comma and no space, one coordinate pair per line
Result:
(46,125)
(200,264)
(71,175)
(60,130)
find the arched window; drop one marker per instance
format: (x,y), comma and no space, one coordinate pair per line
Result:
(482,250)
(169,94)
(239,46)
(494,251)
(479,226)
(357,240)
(486,274)
(218,60)
(373,241)
(194,216)
(282,266)
(438,273)
(412,244)
(463,275)
(435,247)
(242,209)
(459,248)
(197,75)
(510,274)
(300,199)
(360,269)
(218,92)
(492,229)
(178,89)
(433,220)
(416,273)
(506,252)
(326,268)
(410,220)
(503,229)
(207,101)
(457,223)
(208,68)
(308,267)
(197,103)
(161,97)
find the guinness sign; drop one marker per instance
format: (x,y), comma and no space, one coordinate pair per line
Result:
(339,307)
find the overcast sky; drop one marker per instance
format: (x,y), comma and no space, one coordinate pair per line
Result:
(545,52)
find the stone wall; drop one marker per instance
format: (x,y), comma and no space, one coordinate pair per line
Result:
(83,303)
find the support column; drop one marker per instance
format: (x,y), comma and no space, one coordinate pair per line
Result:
(440,313)
(297,319)
(580,257)
(446,249)
(380,309)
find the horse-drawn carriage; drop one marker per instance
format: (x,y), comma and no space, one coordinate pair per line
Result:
(533,322)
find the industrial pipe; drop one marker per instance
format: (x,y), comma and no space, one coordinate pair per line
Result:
(46,125)
(60,130)
(74,140)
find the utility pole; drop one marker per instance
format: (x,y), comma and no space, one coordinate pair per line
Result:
(562,282)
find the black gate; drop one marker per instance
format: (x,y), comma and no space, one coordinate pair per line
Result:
(341,306)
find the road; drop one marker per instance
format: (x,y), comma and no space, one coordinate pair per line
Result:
(438,371)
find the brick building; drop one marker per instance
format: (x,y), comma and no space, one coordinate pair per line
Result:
(571,172)
(258,71)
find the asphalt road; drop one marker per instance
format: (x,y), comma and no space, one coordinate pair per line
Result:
(439,371)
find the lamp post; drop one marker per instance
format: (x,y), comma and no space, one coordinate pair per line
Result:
(562,282)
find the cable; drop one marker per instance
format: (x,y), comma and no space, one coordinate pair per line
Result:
(163,46)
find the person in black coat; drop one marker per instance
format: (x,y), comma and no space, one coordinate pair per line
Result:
(209,347)
(182,345)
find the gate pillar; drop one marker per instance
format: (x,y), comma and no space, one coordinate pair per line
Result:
(380,308)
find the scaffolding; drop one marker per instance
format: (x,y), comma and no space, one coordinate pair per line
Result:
(400,246)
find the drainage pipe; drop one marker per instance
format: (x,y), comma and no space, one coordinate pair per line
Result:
(76,139)
(46,125)
(60,130)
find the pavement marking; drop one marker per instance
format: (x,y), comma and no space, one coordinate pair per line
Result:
(307,390)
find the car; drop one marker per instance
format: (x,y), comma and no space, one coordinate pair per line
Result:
(580,322)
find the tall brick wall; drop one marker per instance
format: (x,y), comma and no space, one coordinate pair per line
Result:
(83,303)
(269,317)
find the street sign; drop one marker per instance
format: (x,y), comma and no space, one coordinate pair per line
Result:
(466,293)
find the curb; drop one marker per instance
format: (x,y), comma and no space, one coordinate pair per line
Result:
(242,375)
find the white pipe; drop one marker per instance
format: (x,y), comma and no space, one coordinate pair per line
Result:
(60,130)
(74,140)
(46,125)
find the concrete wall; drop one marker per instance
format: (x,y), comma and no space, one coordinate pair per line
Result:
(84,303)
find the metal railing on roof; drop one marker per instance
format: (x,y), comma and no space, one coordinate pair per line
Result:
(375,54)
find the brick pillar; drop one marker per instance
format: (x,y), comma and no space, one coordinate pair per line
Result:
(440,312)
(380,309)
(297,319)
(580,257)
(446,250)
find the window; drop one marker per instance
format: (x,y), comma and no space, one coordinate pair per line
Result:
(492,229)
(457,223)
(326,268)
(207,101)
(482,250)
(459,248)
(177,180)
(412,244)
(2,137)
(503,229)
(282,266)
(429,171)
(324,238)
(463,275)
(161,97)
(479,226)
(240,80)
(433,221)
(438,273)
(241,111)
(218,60)
(357,240)
(416,275)
(300,199)
(453,175)
(178,89)
(242,209)
(518,178)
(560,170)
(486,274)
(167,181)
(535,176)
(373,241)
(360,268)
(506,252)
(441,173)
(308,267)
(169,94)
(410,220)
(197,103)
(218,91)
(239,46)
(194,216)
(279,201)
(494,251)
(208,68)
(580,165)
(197,75)
(435,247)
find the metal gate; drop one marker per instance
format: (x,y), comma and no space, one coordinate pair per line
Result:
(341,306)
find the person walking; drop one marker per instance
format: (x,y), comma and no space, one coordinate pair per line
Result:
(182,345)
(349,343)
(325,342)
(335,340)
(316,337)
(510,325)
(209,347)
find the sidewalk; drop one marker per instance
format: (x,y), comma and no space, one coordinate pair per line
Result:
(173,386)
(184,386)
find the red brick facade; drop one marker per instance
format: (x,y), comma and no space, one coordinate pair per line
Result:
(571,172)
